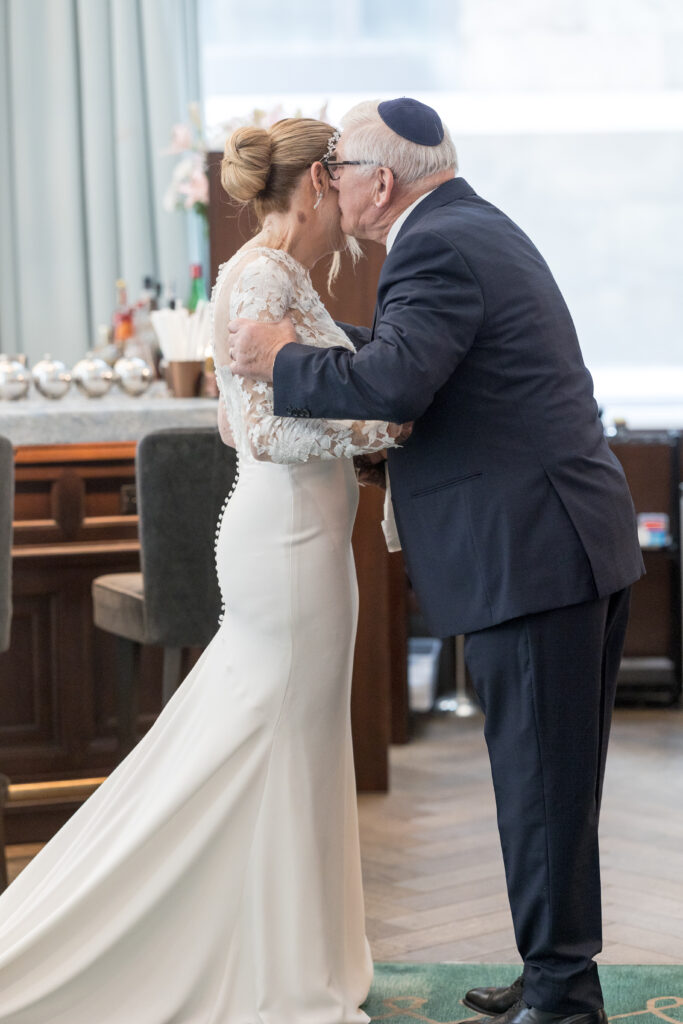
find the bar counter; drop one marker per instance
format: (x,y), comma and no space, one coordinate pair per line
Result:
(116,416)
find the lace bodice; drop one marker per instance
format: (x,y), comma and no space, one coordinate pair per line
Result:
(268,284)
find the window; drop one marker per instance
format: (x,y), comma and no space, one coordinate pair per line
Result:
(569,116)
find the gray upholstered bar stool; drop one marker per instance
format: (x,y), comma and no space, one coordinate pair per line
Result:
(183,479)
(6,516)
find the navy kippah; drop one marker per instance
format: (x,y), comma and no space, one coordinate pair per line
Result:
(412,120)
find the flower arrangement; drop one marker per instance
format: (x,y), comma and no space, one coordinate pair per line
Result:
(188,188)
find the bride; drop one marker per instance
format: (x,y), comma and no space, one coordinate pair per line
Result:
(214,878)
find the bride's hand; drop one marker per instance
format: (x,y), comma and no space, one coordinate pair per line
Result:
(253,346)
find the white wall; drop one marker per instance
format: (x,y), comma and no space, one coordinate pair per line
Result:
(606,211)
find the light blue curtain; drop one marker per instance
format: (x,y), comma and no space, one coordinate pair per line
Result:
(89,92)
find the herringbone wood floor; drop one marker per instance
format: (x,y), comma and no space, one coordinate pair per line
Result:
(433,873)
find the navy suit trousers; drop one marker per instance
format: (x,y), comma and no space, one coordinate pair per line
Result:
(546,683)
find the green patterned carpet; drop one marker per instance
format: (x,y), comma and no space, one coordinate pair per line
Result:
(403,993)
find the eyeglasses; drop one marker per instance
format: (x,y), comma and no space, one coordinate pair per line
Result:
(327,164)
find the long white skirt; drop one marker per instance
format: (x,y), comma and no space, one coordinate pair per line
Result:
(214,878)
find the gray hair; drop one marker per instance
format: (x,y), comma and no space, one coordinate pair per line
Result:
(367,137)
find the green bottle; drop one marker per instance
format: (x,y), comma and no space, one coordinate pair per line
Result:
(197,288)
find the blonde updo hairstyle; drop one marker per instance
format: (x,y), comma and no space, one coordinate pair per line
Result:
(261,167)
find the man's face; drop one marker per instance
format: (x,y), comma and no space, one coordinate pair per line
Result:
(356,190)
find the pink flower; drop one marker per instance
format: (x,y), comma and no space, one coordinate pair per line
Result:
(195,188)
(181,139)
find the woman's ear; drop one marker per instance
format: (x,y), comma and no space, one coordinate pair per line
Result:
(317,176)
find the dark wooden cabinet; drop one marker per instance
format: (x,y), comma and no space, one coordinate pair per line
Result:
(57,680)
(68,528)
(651,667)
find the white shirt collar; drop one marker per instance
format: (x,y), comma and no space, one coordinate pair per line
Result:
(398,223)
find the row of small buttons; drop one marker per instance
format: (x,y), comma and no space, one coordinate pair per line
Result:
(218,530)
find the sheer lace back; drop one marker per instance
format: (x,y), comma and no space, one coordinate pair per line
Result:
(266,285)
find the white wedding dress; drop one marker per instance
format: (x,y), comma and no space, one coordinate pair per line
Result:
(214,878)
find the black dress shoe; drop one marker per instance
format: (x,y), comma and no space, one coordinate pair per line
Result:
(522,1013)
(493,1001)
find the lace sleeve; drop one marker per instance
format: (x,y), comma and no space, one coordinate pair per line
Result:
(264,290)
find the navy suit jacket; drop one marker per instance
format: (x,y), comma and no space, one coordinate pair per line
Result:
(507,497)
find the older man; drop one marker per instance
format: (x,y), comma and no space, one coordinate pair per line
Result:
(515,518)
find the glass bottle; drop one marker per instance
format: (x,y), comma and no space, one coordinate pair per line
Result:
(197,288)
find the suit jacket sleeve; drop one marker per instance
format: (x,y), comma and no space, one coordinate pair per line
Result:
(431,310)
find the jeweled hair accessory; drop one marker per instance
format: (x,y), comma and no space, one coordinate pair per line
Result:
(332,145)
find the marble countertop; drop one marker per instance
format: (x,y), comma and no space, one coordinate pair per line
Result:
(114,417)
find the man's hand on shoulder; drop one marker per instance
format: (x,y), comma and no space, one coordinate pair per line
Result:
(254,346)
